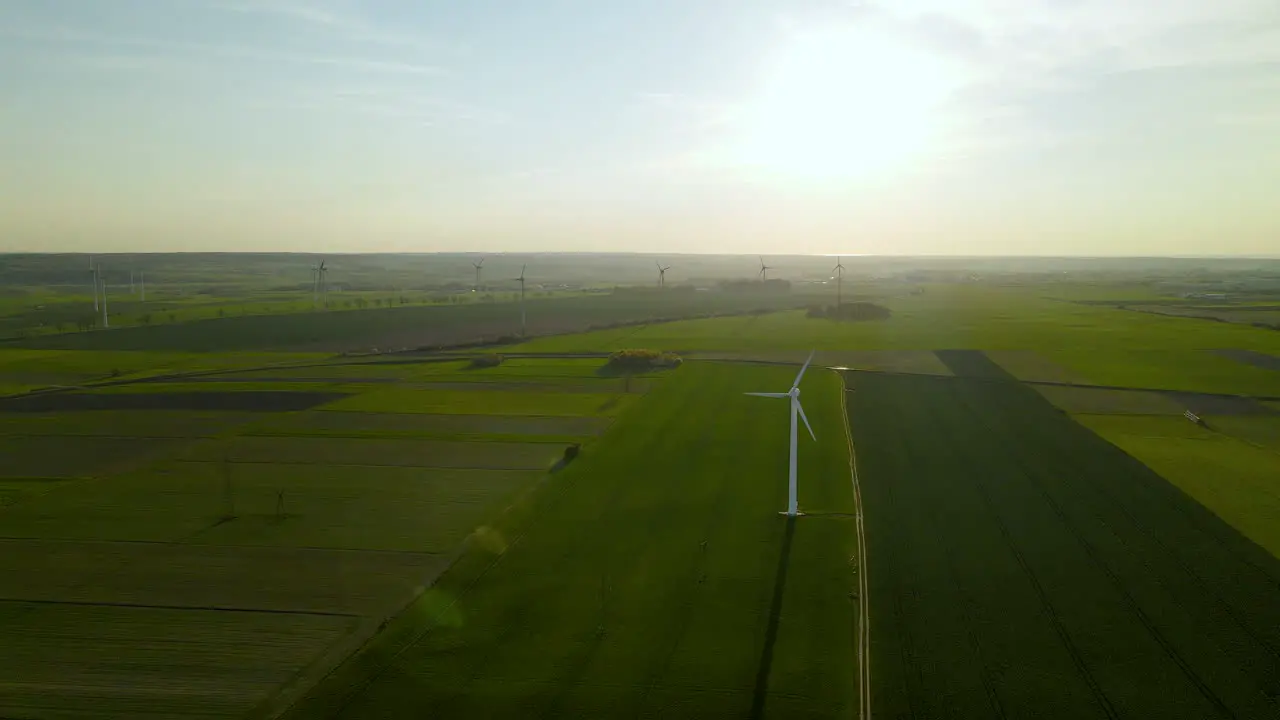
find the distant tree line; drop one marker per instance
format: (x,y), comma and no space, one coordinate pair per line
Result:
(642,360)
(854,311)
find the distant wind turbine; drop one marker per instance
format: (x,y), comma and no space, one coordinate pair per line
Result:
(662,274)
(839,271)
(106,323)
(523,326)
(477,266)
(764,269)
(142,284)
(793,507)
(93,270)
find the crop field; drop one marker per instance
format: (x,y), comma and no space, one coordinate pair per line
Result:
(74,661)
(1232,467)
(1104,401)
(424,425)
(145,506)
(374,452)
(404,327)
(227,518)
(730,610)
(468,402)
(1021,564)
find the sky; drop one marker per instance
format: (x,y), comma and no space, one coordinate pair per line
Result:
(902,127)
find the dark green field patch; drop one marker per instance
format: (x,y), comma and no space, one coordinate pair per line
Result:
(1106,401)
(159,399)
(73,457)
(469,402)
(381,452)
(1020,565)
(16,490)
(69,661)
(1250,357)
(322,422)
(122,423)
(372,508)
(281,579)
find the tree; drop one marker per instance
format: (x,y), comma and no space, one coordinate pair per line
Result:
(59,326)
(173,318)
(377,302)
(222,313)
(145,318)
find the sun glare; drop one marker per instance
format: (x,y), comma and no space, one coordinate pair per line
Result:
(841,104)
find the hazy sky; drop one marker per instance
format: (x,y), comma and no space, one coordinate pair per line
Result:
(824,126)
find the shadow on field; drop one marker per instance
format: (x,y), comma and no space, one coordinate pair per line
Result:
(775,611)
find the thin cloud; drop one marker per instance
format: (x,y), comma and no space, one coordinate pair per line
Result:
(325,18)
(77,37)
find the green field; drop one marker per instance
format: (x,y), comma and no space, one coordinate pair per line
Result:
(140,495)
(467,402)
(1016,557)
(1229,471)
(728,610)
(349,534)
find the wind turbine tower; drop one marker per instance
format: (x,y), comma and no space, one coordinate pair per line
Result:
(477,266)
(764,270)
(793,505)
(523,325)
(839,271)
(93,270)
(106,323)
(662,275)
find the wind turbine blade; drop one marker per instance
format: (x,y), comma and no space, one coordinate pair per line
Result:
(795,403)
(772,395)
(806,367)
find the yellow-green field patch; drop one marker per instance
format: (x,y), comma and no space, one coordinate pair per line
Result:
(1029,365)
(1238,481)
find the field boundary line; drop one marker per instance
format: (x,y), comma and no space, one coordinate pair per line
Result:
(864,609)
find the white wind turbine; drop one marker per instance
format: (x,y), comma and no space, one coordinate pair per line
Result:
(793,508)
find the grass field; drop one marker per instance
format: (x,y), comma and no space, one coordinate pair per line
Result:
(1022,565)
(1024,558)
(467,402)
(728,611)
(144,496)
(1233,470)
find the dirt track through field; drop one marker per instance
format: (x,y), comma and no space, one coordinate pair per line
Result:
(1027,567)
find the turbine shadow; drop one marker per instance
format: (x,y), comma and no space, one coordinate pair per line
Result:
(775,611)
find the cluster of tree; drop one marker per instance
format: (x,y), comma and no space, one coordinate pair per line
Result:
(642,360)
(486,361)
(854,311)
